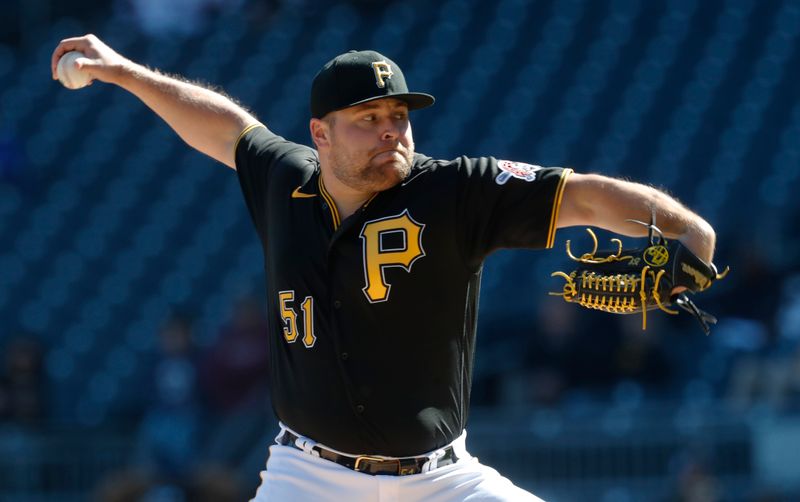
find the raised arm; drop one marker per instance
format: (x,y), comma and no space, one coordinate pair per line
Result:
(204,119)
(600,201)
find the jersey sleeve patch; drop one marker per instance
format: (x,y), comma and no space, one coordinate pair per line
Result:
(519,170)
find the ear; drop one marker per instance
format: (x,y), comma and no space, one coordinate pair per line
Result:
(320,133)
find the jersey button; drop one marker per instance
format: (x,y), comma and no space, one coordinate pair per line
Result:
(345,356)
(360,408)
(337,304)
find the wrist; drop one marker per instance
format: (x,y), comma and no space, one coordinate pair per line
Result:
(125,72)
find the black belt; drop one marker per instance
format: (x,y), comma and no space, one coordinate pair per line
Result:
(375,465)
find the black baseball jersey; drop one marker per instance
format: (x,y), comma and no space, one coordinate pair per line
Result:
(372,319)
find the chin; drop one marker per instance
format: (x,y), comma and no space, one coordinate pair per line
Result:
(389,174)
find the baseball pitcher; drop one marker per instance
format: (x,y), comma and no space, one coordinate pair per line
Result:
(373,255)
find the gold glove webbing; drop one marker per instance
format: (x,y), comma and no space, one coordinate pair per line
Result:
(599,292)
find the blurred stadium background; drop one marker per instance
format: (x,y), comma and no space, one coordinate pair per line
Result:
(131,282)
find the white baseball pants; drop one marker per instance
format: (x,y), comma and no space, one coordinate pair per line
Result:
(295,476)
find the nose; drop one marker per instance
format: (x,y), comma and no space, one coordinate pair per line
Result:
(390,134)
(391,131)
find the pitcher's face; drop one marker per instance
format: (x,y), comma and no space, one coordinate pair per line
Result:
(370,146)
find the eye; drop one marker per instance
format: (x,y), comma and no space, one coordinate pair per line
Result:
(369,118)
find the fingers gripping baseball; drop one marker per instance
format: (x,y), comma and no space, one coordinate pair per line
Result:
(100,61)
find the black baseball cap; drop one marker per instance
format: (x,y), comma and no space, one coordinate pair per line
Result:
(356,77)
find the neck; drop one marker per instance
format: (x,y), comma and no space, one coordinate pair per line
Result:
(347,200)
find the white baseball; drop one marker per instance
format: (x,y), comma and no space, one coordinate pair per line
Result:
(68,74)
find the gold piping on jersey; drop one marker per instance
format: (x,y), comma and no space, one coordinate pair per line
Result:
(331,204)
(369,200)
(241,135)
(551,234)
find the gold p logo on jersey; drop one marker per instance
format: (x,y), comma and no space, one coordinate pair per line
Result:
(377,258)
(382,70)
(656,256)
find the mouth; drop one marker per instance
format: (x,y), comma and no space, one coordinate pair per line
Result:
(389,152)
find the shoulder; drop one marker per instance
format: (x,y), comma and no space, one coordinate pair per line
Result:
(453,172)
(423,162)
(260,138)
(258,144)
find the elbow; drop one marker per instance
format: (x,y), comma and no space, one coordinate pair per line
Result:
(578,205)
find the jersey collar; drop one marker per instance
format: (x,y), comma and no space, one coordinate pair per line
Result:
(337,221)
(329,201)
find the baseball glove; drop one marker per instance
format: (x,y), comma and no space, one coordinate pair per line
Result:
(637,280)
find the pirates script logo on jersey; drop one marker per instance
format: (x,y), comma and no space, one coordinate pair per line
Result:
(519,170)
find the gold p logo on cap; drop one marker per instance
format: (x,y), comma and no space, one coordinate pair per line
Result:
(382,70)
